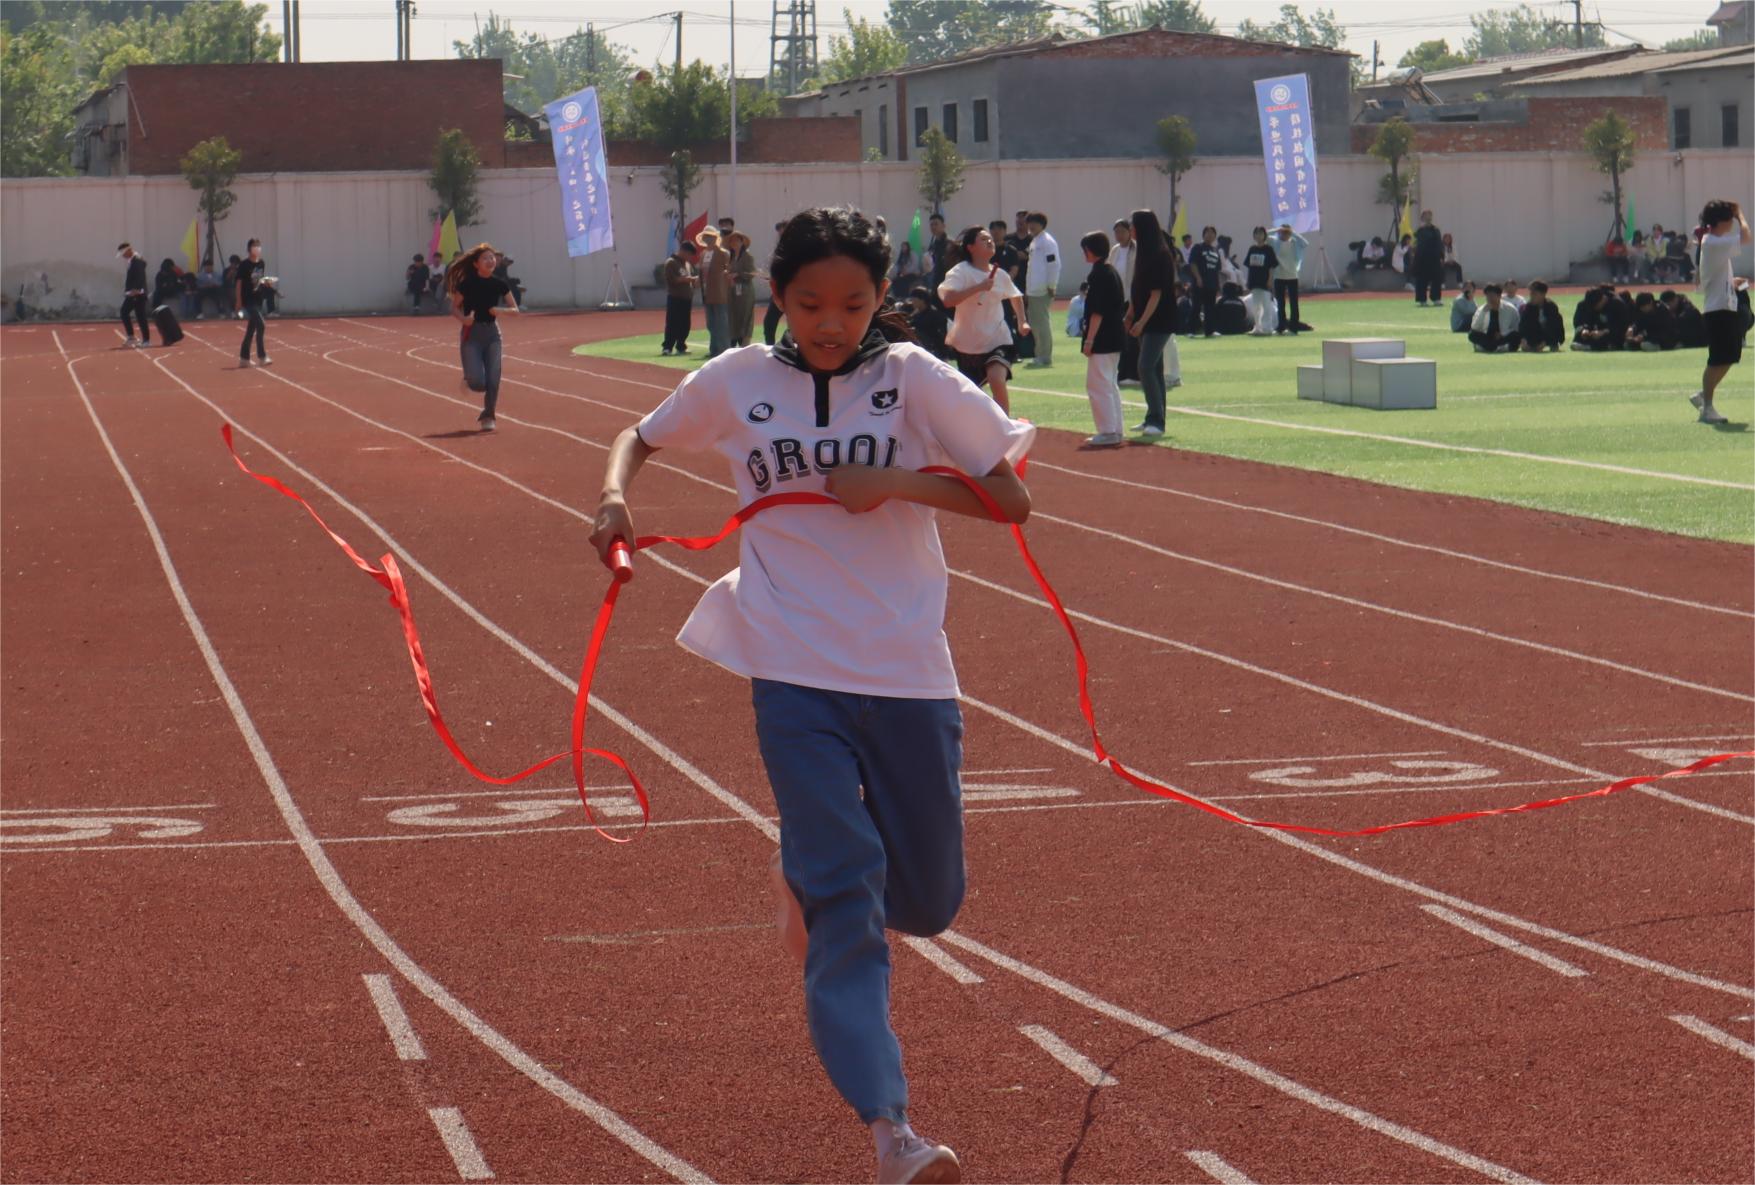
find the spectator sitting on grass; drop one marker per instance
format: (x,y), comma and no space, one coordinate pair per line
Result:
(1654,327)
(1494,330)
(1230,314)
(1541,323)
(1690,325)
(1508,292)
(1462,309)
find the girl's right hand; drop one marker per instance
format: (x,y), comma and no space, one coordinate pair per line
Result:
(612,522)
(992,274)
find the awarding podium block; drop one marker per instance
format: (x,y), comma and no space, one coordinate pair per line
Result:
(1339,354)
(1393,384)
(1310,382)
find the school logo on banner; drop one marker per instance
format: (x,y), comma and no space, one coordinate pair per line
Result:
(577,133)
(1288,149)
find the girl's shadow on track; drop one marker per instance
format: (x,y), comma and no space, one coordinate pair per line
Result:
(459,434)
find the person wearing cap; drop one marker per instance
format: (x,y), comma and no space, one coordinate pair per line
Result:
(1289,253)
(134,297)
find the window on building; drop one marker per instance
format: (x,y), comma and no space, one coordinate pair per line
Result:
(980,121)
(950,123)
(1728,124)
(1683,132)
(883,130)
(919,126)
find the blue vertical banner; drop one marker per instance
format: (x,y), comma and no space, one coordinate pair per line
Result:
(1288,147)
(578,141)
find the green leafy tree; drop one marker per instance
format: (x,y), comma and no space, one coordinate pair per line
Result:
(25,14)
(1699,39)
(692,106)
(1315,29)
(1433,56)
(678,180)
(1180,16)
(210,168)
(214,31)
(1176,147)
(456,167)
(935,29)
(1501,31)
(941,170)
(37,94)
(1394,143)
(1610,142)
(539,70)
(869,48)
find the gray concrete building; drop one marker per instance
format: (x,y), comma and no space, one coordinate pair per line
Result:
(1709,91)
(1054,99)
(1491,78)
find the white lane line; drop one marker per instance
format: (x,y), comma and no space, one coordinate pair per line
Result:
(935,954)
(1412,442)
(1343,757)
(471,1166)
(768,829)
(1311,848)
(1709,773)
(1396,541)
(1237,1063)
(1214,1166)
(1087,1071)
(1391,611)
(1723,736)
(508,792)
(326,872)
(1307,846)
(1008,793)
(1541,958)
(396,1022)
(1716,1035)
(120,810)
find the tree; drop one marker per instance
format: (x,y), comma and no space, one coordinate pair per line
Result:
(678,180)
(941,170)
(37,94)
(200,34)
(1180,16)
(1699,39)
(1610,142)
(539,70)
(1318,30)
(1395,140)
(1501,31)
(1176,146)
(455,166)
(677,109)
(1431,56)
(866,50)
(210,167)
(935,29)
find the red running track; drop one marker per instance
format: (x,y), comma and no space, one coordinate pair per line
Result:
(262,929)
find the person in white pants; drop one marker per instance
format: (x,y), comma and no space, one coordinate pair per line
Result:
(1042,280)
(1259,262)
(1105,333)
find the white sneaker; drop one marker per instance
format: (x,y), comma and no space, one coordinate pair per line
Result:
(265,360)
(243,364)
(1150,431)
(913,1161)
(1104,440)
(1130,384)
(1711,415)
(485,423)
(1698,399)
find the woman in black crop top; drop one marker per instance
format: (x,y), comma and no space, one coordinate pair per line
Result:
(477,297)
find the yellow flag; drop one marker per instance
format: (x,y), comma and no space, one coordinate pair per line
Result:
(1407,218)
(1179,227)
(448,244)
(192,241)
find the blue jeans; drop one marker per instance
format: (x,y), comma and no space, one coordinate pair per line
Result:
(718,329)
(890,858)
(1152,376)
(481,364)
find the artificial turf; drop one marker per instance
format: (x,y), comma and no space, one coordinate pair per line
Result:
(1626,410)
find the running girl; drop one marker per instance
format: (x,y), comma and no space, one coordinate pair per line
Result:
(477,296)
(837,618)
(977,289)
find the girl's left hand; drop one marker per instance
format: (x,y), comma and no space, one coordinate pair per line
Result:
(859,488)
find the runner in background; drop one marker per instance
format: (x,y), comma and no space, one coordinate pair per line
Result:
(477,297)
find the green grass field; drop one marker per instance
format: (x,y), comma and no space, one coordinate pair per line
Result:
(1580,421)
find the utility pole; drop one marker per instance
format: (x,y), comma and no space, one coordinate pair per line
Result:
(298,51)
(1376,61)
(1578,23)
(679,17)
(733,81)
(286,30)
(591,51)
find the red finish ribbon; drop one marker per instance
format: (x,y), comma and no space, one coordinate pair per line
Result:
(390,576)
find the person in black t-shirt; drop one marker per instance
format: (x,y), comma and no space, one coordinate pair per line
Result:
(1104,333)
(419,275)
(1206,261)
(477,297)
(1426,265)
(253,283)
(1260,261)
(134,296)
(1151,317)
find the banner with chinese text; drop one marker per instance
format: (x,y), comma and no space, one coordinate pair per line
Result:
(1288,147)
(578,142)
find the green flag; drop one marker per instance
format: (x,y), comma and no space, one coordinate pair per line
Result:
(914,234)
(1632,219)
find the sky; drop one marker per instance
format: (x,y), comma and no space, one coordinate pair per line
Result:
(343,30)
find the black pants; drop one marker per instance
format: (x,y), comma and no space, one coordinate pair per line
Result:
(1429,281)
(1286,291)
(677,310)
(771,322)
(136,306)
(1128,369)
(256,328)
(1205,300)
(1492,341)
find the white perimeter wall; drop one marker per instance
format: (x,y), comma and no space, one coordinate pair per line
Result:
(340,241)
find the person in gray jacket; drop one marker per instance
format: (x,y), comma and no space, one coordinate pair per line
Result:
(1462,309)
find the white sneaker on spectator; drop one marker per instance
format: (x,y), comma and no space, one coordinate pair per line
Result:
(265,360)
(1698,399)
(1711,415)
(1151,431)
(1104,440)
(914,1161)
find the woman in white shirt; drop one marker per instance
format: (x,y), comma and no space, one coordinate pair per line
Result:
(1725,233)
(976,291)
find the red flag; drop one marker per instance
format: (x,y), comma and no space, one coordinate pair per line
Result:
(694,228)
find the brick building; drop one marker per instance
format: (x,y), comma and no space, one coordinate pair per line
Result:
(1516,125)
(1056,99)
(302,117)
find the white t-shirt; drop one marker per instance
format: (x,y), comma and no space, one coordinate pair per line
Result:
(1717,284)
(1121,257)
(823,598)
(979,323)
